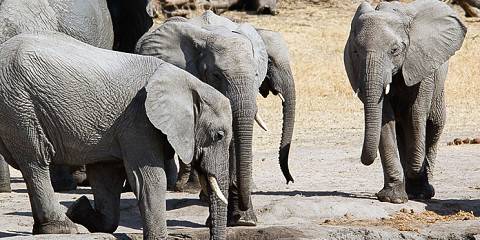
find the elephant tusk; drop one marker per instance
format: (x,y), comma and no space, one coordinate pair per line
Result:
(203,183)
(260,122)
(281,97)
(216,189)
(387,89)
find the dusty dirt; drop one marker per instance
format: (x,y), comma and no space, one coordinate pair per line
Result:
(333,196)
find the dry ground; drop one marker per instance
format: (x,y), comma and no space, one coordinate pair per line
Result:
(333,194)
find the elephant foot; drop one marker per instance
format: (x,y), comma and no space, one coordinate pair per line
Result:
(81,211)
(242,218)
(55,227)
(393,194)
(419,188)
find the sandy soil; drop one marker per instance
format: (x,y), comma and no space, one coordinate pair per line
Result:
(333,196)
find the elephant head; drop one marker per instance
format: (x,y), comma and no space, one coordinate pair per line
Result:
(409,39)
(197,121)
(224,60)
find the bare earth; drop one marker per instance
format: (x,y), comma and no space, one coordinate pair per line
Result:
(333,196)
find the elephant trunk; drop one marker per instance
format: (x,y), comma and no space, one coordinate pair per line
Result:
(288,103)
(373,100)
(242,131)
(218,209)
(4,176)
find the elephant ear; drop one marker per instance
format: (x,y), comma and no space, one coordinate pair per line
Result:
(177,42)
(435,33)
(350,58)
(171,106)
(278,62)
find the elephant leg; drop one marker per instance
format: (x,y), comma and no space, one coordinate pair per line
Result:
(394,188)
(434,130)
(79,175)
(187,180)
(32,158)
(417,185)
(171,170)
(4,176)
(61,177)
(106,180)
(146,175)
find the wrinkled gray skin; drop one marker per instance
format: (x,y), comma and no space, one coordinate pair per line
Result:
(406,46)
(66,102)
(233,59)
(86,20)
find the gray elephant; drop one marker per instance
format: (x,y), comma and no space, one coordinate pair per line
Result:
(65,102)
(396,59)
(86,20)
(234,59)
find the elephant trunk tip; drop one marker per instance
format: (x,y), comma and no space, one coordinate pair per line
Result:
(284,163)
(367,159)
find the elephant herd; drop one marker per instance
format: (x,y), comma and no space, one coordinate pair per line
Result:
(86,83)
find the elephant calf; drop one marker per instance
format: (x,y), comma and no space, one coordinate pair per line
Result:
(65,102)
(397,62)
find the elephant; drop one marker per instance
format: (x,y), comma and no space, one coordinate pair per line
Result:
(86,20)
(116,24)
(121,115)
(396,59)
(234,59)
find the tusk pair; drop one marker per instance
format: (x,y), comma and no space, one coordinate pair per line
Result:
(260,122)
(355,94)
(281,97)
(214,185)
(387,89)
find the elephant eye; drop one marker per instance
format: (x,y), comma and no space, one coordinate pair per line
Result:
(396,50)
(218,136)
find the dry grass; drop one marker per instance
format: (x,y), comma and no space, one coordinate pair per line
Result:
(316,31)
(405,220)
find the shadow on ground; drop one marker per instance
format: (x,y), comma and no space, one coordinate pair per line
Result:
(360,195)
(452,206)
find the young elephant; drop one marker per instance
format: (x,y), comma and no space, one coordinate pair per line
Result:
(239,61)
(397,61)
(66,102)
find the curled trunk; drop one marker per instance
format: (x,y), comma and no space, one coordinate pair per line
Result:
(373,99)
